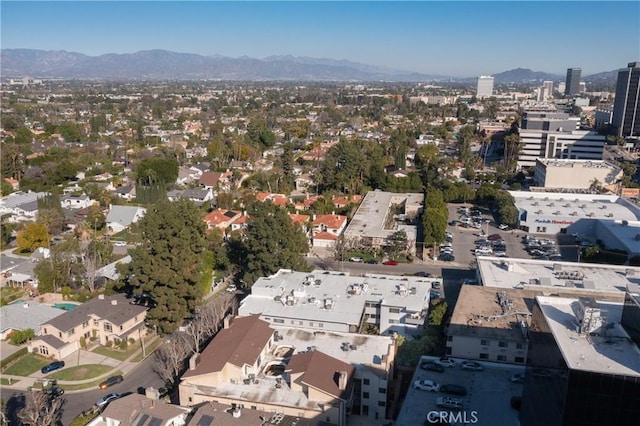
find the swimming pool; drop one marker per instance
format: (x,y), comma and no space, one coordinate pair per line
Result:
(65,306)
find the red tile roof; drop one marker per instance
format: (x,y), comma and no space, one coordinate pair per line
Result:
(325,236)
(331,221)
(220,217)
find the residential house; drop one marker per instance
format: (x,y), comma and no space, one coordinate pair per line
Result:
(105,319)
(24,316)
(221,219)
(120,218)
(22,206)
(212,180)
(277,199)
(110,272)
(341,201)
(139,410)
(71,201)
(304,182)
(327,228)
(126,192)
(197,196)
(231,368)
(308,201)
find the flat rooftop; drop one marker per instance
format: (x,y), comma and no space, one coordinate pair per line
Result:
(333,296)
(479,312)
(544,275)
(573,163)
(579,206)
(371,217)
(611,352)
(367,352)
(625,233)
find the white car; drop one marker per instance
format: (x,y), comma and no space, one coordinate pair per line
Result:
(503,226)
(120,243)
(356,259)
(446,362)
(471,366)
(427,385)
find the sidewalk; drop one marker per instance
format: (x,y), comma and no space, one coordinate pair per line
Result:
(81,357)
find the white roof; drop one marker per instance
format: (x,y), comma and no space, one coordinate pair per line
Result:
(308,294)
(612,352)
(540,274)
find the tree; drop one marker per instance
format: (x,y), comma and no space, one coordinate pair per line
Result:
(157,170)
(18,337)
(168,265)
(397,243)
(40,409)
(170,358)
(272,242)
(208,320)
(33,235)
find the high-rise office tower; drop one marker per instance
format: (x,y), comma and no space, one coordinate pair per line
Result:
(485,86)
(626,108)
(572,83)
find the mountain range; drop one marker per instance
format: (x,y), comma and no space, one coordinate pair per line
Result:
(167,65)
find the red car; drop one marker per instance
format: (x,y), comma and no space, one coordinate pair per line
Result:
(390,263)
(494,237)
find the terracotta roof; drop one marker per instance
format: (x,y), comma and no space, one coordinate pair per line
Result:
(321,371)
(324,235)
(239,344)
(220,216)
(210,178)
(299,218)
(331,221)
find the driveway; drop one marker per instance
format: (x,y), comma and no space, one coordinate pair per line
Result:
(7,349)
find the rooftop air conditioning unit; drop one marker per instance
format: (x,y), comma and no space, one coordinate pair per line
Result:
(625,223)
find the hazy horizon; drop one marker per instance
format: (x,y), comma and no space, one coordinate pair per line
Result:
(457,39)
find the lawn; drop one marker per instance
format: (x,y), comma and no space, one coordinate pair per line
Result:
(26,365)
(120,354)
(80,372)
(8,382)
(90,385)
(148,349)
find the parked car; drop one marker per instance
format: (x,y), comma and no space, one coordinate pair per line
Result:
(102,402)
(446,362)
(423,274)
(517,378)
(471,366)
(431,366)
(390,263)
(434,294)
(494,237)
(541,372)
(356,259)
(435,285)
(447,257)
(449,402)
(503,226)
(120,243)
(372,262)
(52,367)
(427,385)
(454,390)
(113,380)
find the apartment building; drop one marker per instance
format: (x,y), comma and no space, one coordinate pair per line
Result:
(575,174)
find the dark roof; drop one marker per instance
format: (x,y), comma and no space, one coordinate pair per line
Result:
(239,344)
(117,313)
(50,340)
(322,372)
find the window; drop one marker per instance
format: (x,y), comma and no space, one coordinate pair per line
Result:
(484,356)
(503,344)
(365,381)
(371,304)
(45,331)
(381,403)
(448,350)
(365,410)
(60,334)
(107,327)
(519,346)
(449,338)
(85,324)
(394,310)
(484,343)
(278,321)
(502,357)
(393,321)
(365,395)
(43,350)
(519,360)
(95,322)
(120,328)
(382,390)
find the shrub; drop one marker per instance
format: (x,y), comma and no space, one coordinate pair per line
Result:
(18,337)
(131,340)
(83,342)
(109,343)
(122,344)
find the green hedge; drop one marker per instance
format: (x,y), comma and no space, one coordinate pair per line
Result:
(8,360)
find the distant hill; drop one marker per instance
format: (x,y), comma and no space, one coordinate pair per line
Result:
(166,65)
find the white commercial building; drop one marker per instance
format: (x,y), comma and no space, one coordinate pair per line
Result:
(574,144)
(554,212)
(575,174)
(485,86)
(336,301)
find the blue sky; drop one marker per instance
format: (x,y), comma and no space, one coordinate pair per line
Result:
(455,38)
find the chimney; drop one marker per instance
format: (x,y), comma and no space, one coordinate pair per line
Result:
(342,380)
(194,360)
(114,302)
(101,296)
(152,393)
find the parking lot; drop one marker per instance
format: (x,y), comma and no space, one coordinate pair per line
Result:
(464,238)
(487,402)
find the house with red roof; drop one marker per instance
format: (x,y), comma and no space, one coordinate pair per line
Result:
(327,228)
(221,219)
